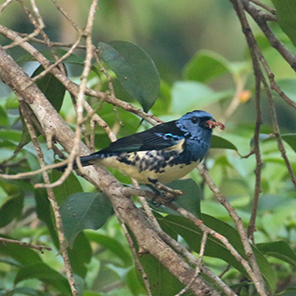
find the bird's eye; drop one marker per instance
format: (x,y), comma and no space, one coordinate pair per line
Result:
(195,119)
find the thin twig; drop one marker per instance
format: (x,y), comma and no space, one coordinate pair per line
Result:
(37,15)
(136,220)
(36,32)
(254,273)
(24,244)
(277,133)
(131,244)
(80,100)
(256,149)
(271,10)
(252,44)
(197,268)
(52,43)
(74,25)
(70,85)
(129,191)
(194,261)
(3,6)
(60,60)
(51,197)
(271,37)
(32,173)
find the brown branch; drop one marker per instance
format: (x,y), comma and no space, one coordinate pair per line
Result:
(277,133)
(197,268)
(194,261)
(63,12)
(146,236)
(58,61)
(271,10)
(259,18)
(52,43)
(51,197)
(252,44)
(273,40)
(257,55)
(71,86)
(218,236)
(4,5)
(24,244)
(131,244)
(251,227)
(148,194)
(254,273)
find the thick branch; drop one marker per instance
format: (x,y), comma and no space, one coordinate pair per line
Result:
(51,121)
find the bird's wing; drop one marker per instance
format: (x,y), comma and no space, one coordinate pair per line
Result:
(159,137)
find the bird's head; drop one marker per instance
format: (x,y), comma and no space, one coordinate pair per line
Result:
(198,122)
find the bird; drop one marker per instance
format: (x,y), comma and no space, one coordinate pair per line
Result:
(161,154)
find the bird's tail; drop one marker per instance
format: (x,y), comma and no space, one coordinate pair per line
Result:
(85,161)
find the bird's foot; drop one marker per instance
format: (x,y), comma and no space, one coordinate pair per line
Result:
(164,194)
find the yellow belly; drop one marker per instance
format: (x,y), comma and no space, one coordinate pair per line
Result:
(166,175)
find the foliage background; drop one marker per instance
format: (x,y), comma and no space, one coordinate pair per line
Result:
(172,32)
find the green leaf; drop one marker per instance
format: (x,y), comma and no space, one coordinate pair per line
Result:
(3,117)
(46,274)
(166,227)
(84,211)
(288,86)
(51,87)
(290,139)
(286,17)
(26,138)
(21,254)
(13,206)
(11,209)
(72,59)
(189,200)
(70,186)
(89,293)
(26,291)
(205,66)
(134,69)
(189,94)
(133,283)
(80,255)
(162,282)
(280,250)
(44,213)
(111,244)
(12,136)
(214,248)
(218,142)
(191,197)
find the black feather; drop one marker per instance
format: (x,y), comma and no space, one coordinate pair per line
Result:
(147,140)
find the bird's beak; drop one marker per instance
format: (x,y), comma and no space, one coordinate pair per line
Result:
(212,124)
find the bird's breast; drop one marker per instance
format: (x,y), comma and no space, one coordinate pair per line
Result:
(157,165)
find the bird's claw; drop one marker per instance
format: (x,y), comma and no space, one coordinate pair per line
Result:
(164,194)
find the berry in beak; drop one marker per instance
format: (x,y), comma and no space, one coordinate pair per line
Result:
(212,124)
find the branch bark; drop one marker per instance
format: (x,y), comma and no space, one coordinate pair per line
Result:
(54,125)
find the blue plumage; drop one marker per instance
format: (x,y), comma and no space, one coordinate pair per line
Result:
(162,153)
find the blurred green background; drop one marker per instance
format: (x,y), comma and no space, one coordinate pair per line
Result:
(175,33)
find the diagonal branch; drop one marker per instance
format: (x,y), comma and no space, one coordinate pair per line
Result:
(137,221)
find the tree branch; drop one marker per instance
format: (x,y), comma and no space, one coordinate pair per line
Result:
(147,238)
